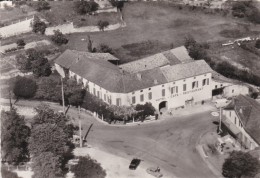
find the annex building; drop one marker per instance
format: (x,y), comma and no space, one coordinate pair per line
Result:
(170,79)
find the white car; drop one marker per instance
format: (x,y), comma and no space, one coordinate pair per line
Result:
(219,103)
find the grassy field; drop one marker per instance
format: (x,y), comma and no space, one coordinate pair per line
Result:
(62,12)
(162,24)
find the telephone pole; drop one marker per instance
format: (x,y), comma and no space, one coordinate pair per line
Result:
(62,93)
(220,120)
(80,132)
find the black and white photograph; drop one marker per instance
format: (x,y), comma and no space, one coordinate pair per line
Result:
(130,88)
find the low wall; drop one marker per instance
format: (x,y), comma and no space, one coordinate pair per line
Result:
(16,28)
(69,28)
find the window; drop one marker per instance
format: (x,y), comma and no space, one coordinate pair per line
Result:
(133,100)
(110,100)
(230,113)
(184,87)
(94,91)
(142,98)
(98,94)
(105,97)
(207,81)
(194,84)
(141,90)
(203,82)
(162,85)
(149,88)
(235,120)
(150,95)
(232,91)
(118,101)
(174,89)
(133,92)
(216,86)
(163,92)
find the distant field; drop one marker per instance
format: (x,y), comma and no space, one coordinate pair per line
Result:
(62,12)
(160,23)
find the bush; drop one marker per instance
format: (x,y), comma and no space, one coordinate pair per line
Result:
(24,87)
(58,38)
(103,48)
(85,7)
(38,25)
(88,167)
(11,50)
(257,44)
(42,5)
(20,43)
(102,25)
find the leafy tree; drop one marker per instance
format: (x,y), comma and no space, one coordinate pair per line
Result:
(49,144)
(118,4)
(20,43)
(240,164)
(103,48)
(22,63)
(58,38)
(257,44)
(41,67)
(76,97)
(33,54)
(42,5)
(196,50)
(145,110)
(102,25)
(85,7)
(14,137)
(38,25)
(46,165)
(88,167)
(24,87)
(8,174)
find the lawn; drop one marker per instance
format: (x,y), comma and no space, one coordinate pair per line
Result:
(62,12)
(159,23)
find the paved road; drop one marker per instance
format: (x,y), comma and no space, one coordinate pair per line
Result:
(168,143)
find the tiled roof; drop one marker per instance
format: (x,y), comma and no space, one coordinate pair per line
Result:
(248,111)
(94,68)
(181,71)
(181,54)
(147,63)
(172,57)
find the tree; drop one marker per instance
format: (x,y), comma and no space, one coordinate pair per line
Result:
(14,137)
(196,50)
(257,44)
(24,87)
(85,7)
(145,110)
(20,43)
(90,47)
(88,167)
(103,48)
(102,25)
(76,97)
(42,5)
(41,67)
(46,165)
(58,38)
(22,63)
(49,144)
(38,25)
(240,164)
(118,4)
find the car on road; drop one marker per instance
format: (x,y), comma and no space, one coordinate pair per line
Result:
(134,163)
(154,171)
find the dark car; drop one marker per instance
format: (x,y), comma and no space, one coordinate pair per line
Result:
(134,163)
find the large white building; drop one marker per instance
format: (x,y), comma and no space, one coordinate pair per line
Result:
(169,79)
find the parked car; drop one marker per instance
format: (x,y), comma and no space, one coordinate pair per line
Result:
(134,163)
(154,171)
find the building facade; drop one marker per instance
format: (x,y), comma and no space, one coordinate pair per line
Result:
(167,80)
(241,116)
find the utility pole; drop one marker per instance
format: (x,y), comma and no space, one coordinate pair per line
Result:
(80,132)
(62,93)
(220,120)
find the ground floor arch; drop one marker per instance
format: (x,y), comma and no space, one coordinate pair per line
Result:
(163,105)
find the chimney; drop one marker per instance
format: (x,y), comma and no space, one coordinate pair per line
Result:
(139,76)
(155,81)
